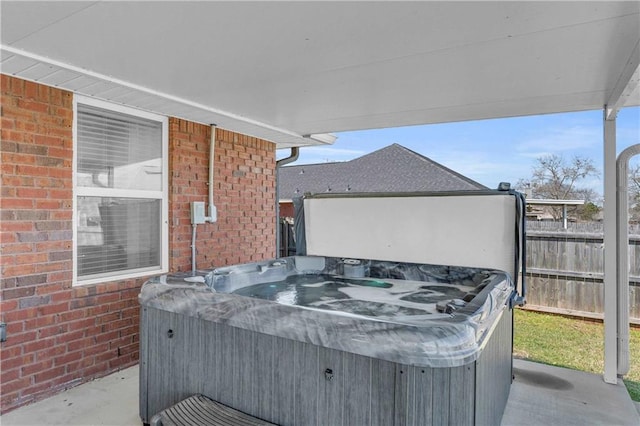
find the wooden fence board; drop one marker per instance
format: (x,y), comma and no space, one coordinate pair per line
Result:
(566,267)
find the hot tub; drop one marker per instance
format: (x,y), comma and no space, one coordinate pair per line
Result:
(329,341)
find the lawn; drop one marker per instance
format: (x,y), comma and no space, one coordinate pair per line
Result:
(570,343)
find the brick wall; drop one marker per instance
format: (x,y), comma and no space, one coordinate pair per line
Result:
(244,195)
(287,210)
(59,335)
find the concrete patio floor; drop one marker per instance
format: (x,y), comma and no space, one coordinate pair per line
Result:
(540,395)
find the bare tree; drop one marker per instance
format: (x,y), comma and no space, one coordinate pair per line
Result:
(555,178)
(634,193)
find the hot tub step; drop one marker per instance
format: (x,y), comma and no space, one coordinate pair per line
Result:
(199,410)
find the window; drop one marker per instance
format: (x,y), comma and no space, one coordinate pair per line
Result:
(120,192)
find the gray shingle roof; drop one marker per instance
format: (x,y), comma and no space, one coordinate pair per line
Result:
(390,169)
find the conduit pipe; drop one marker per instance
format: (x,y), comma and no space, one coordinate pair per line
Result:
(197,213)
(213,214)
(622,228)
(193,250)
(295,152)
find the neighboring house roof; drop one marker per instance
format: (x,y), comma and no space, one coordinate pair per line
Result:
(390,169)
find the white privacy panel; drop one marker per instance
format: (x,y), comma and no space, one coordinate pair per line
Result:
(460,230)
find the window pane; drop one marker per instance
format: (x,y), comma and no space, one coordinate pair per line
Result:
(117,150)
(116,234)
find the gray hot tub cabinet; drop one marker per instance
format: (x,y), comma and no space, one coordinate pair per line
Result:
(294,366)
(287,382)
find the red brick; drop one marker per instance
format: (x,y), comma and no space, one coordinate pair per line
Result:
(15,385)
(44,93)
(48,288)
(124,361)
(19,314)
(53,308)
(30,88)
(107,298)
(70,337)
(82,324)
(67,358)
(8,305)
(50,352)
(103,319)
(64,276)
(33,193)
(16,203)
(14,328)
(22,259)
(17,362)
(71,316)
(106,356)
(133,330)
(98,310)
(36,367)
(115,325)
(100,348)
(38,345)
(48,204)
(33,106)
(133,312)
(80,365)
(87,342)
(49,374)
(18,293)
(16,248)
(20,338)
(18,158)
(52,331)
(53,266)
(60,296)
(40,321)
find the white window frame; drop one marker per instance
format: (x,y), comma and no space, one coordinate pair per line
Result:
(162,195)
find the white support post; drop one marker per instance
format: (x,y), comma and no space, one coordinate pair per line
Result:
(564,216)
(610,252)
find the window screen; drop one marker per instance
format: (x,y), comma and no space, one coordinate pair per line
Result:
(119,182)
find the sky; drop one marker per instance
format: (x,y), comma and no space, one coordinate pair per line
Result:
(491,151)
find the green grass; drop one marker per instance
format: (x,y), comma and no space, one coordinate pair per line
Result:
(570,343)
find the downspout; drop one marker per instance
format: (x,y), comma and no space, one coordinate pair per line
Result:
(295,152)
(622,197)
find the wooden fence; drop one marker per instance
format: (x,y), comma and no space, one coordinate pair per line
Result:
(565,267)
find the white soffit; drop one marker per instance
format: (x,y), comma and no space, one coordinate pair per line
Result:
(281,70)
(53,73)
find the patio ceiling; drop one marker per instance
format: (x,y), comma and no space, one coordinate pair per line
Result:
(281,70)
